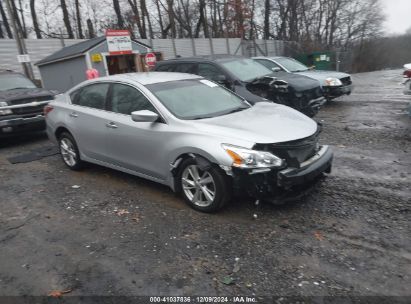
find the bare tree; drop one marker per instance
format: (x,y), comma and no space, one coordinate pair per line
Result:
(5,21)
(136,15)
(90,29)
(202,21)
(23,19)
(17,18)
(146,15)
(267,7)
(78,17)
(120,20)
(36,26)
(66,19)
(171,19)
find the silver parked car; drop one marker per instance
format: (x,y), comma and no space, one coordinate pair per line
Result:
(333,83)
(189,133)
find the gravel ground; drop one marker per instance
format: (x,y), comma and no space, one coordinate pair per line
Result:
(120,235)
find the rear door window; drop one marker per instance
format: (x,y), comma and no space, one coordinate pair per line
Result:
(209,71)
(126,99)
(165,68)
(92,96)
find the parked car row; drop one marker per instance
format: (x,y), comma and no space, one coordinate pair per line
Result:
(191,134)
(208,127)
(252,80)
(279,79)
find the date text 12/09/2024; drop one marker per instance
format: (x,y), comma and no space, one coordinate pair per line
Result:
(204,299)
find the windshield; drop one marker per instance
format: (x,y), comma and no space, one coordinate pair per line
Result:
(246,69)
(197,98)
(292,65)
(15,81)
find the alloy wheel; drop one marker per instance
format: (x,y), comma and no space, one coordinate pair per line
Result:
(198,186)
(68,152)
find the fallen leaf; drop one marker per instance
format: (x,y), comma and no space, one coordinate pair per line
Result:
(318,235)
(58,293)
(228,280)
(122,212)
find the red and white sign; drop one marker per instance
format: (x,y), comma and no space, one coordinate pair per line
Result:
(119,42)
(151,59)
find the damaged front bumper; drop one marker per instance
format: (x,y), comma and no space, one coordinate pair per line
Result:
(284,183)
(314,106)
(337,91)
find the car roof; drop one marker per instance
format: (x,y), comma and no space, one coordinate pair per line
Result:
(270,57)
(146,78)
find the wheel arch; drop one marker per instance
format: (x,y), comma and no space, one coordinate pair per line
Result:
(61,130)
(203,160)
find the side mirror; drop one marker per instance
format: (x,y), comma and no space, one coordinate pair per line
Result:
(144,116)
(276,69)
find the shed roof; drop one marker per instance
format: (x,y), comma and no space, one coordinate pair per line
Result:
(76,50)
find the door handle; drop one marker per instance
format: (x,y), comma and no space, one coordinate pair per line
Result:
(73,114)
(111,125)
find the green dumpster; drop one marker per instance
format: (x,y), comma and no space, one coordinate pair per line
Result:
(321,60)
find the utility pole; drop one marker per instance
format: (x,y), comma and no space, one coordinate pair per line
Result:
(21,46)
(337,60)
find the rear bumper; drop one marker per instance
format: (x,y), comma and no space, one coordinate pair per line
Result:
(22,125)
(286,183)
(334,92)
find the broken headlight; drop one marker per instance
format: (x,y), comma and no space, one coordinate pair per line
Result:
(251,159)
(333,82)
(5,111)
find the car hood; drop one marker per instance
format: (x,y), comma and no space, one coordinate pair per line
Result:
(321,76)
(263,123)
(298,82)
(24,94)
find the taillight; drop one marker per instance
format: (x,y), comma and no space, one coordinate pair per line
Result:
(47,109)
(407,74)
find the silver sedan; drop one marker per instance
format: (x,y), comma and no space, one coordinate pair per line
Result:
(189,133)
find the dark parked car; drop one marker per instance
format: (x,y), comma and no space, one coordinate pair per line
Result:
(252,81)
(21,104)
(333,83)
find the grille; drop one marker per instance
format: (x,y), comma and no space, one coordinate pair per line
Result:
(29,110)
(313,93)
(294,152)
(346,81)
(28,100)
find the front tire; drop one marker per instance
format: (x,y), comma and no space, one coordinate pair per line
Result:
(204,188)
(69,151)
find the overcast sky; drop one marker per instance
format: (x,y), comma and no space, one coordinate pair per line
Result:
(398,16)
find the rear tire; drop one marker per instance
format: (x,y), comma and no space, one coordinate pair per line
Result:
(69,151)
(204,189)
